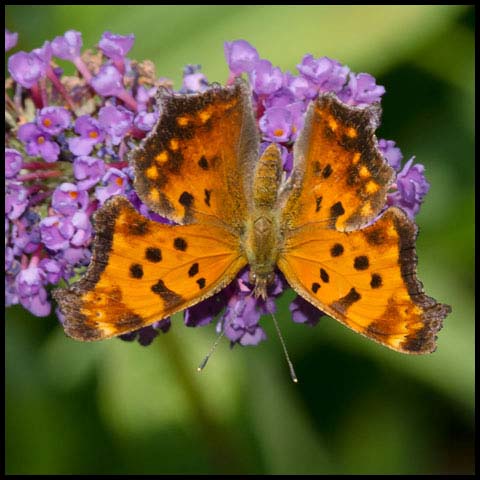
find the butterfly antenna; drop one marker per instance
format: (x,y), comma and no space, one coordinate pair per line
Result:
(203,363)
(290,364)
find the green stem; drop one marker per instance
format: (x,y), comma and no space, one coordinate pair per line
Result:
(217,439)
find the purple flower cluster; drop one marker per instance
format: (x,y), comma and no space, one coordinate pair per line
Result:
(281,98)
(61,165)
(67,158)
(241,310)
(411,186)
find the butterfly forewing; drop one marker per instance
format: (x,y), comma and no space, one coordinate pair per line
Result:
(197,161)
(340,178)
(143,271)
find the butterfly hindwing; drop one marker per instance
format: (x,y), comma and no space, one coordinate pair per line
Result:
(367,280)
(143,271)
(196,163)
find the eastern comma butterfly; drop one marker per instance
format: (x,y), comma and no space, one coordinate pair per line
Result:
(200,167)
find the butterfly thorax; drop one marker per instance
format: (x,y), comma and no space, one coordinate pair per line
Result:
(262,240)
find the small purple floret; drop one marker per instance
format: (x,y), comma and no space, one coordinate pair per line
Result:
(68,45)
(38,143)
(88,171)
(411,188)
(115,184)
(391,152)
(13,162)
(108,81)
(276,124)
(90,133)
(116,122)
(26,68)
(361,90)
(53,120)
(204,312)
(304,312)
(53,269)
(68,198)
(32,294)
(11,39)
(241,56)
(265,78)
(326,74)
(116,46)
(56,232)
(146,120)
(241,321)
(16,199)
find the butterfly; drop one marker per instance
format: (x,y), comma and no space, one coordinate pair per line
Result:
(231,207)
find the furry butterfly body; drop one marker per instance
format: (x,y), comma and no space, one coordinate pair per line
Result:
(325,227)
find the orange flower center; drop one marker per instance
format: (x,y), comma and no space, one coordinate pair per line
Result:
(47,122)
(41,139)
(93,134)
(278,132)
(74,195)
(119,181)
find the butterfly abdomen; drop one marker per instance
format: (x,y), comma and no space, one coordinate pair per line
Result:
(262,239)
(268,175)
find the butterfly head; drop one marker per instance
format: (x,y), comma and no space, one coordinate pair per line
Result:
(260,282)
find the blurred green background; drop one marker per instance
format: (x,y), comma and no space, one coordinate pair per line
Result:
(115,407)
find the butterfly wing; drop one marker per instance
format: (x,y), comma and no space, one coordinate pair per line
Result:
(340,178)
(363,276)
(193,168)
(197,163)
(373,290)
(143,271)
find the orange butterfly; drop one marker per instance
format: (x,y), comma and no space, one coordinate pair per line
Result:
(200,168)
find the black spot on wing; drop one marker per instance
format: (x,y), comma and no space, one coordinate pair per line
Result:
(168,296)
(336,250)
(193,270)
(344,303)
(153,254)
(361,262)
(136,270)
(375,237)
(208,193)
(376,281)
(186,199)
(317,168)
(327,171)
(138,227)
(324,275)
(352,175)
(203,163)
(180,244)
(337,209)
